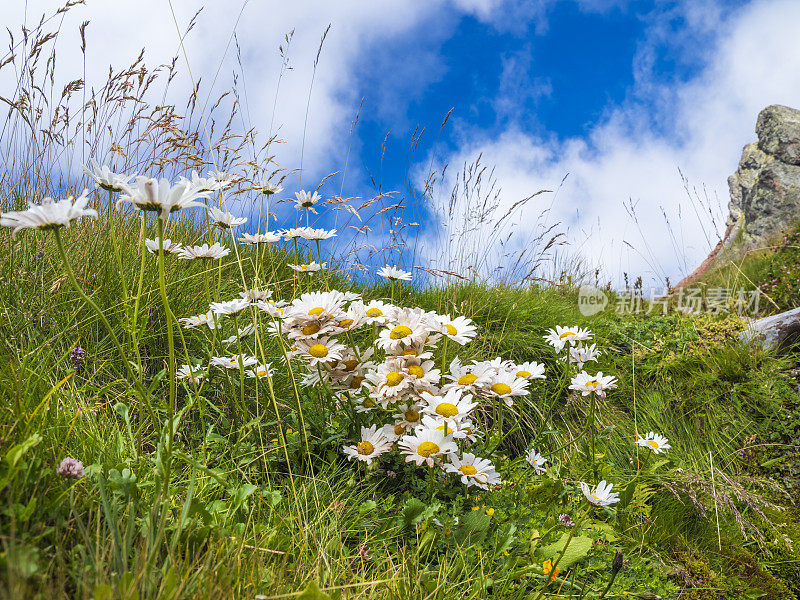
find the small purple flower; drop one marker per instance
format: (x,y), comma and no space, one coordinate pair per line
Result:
(77,356)
(566,521)
(71,468)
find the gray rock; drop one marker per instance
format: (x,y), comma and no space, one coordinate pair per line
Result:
(778,129)
(777,332)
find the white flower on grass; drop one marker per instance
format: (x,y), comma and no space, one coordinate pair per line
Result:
(106,178)
(312,234)
(242,333)
(237,361)
(506,385)
(306,200)
(193,374)
(450,406)
(657,443)
(225,220)
(407,327)
(373,443)
(229,307)
(388,381)
(255,294)
(310,268)
(464,378)
(378,312)
(599,384)
(426,445)
(394,432)
(261,371)
(168,246)
(536,460)
(270,188)
(260,238)
(316,307)
(291,234)
(394,273)
(580,355)
(473,470)
(209,318)
(601,495)
(460,330)
(50,214)
(408,415)
(204,252)
(216,180)
(160,196)
(365,405)
(274,309)
(529,370)
(446,426)
(320,351)
(560,336)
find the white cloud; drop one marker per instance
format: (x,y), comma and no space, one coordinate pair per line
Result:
(637,148)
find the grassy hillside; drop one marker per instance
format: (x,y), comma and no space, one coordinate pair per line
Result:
(242,489)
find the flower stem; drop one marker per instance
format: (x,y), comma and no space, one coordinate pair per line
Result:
(162,286)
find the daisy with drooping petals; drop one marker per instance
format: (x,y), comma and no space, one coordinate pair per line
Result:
(193,374)
(560,336)
(229,307)
(225,220)
(426,446)
(473,470)
(216,180)
(204,252)
(306,200)
(168,246)
(450,406)
(579,355)
(657,443)
(599,384)
(209,318)
(601,495)
(388,381)
(394,273)
(373,443)
(256,239)
(50,214)
(365,405)
(460,330)
(106,178)
(242,333)
(505,386)
(536,460)
(158,195)
(269,189)
(320,351)
(255,294)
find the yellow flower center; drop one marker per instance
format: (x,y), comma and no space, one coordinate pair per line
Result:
(374,312)
(450,329)
(653,444)
(394,378)
(318,351)
(566,334)
(356,382)
(523,373)
(346,323)
(468,469)
(261,372)
(427,448)
(316,311)
(311,329)
(409,352)
(412,416)
(416,370)
(399,332)
(446,409)
(594,383)
(399,429)
(365,448)
(595,497)
(351,364)
(467,379)
(501,389)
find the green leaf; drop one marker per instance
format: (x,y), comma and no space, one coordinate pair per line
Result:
(312,592)
(504,538)
(412,512)
(578,549)
(103,592)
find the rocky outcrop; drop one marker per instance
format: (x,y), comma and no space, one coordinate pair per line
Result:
(777,332)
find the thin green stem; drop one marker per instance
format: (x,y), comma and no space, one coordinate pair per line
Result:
(162,286)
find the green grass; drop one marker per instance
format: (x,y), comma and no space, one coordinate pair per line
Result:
(261,499)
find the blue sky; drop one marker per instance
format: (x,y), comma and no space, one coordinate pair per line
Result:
(620,97)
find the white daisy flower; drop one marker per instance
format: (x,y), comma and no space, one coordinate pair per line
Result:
(242,333)
(450,406)
(446,426)
(388,381)
(460,330)
(463,377)
(259,238)
(536,460)
(50,214)
(310,268)
(306,200)
(237,361)
(394,432)
(580,355)
(229,307)
(426,446)
(255,294)
(560,336)
(529,370)
(106,178)
(506,385)
(601,495)
(209,318)
(204,252)
(311,234)
(378,312)
(473,470)
(599,384)
(373,443)
(216,180)
(225,220)
(194,374)
(317,307)
(270,188)
(160,196)
(394,273)
(261,371)
(409,415)
(657,443)
(407,327)
(168,245)
(292,233)
(320,351)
